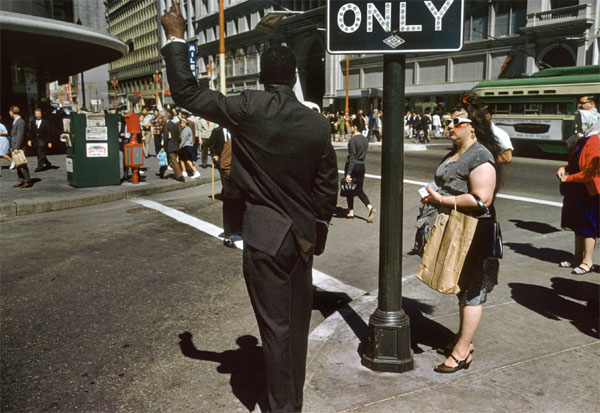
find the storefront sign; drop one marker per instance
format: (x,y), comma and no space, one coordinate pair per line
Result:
(362,26)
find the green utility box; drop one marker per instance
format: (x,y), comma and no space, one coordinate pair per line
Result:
(93,150)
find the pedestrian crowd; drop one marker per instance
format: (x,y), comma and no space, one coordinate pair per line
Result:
(370,126)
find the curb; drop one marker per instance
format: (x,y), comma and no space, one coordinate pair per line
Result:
(29,206)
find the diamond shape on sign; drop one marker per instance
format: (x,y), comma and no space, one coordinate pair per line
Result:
(394,41)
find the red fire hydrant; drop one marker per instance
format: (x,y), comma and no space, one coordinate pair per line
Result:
(133,151)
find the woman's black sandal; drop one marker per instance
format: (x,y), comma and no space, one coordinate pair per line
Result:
(461,364)
(579,270)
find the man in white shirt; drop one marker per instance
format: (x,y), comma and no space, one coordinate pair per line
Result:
(146,126)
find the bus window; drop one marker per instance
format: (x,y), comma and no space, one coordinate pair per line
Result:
(562,108)
(501,108)
(517,108)
(532,109)
(549,108)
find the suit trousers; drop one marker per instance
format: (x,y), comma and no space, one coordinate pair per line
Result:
(23,173)
(157,143)
(204,155)
(174,164)
(280,290)
(40,148)
(147,137)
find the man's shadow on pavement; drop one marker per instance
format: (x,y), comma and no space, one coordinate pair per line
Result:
(246,365)
(551,302)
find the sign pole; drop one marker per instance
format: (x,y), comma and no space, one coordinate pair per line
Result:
(388,341)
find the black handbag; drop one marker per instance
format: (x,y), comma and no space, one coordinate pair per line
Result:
(487,240)
(347,188)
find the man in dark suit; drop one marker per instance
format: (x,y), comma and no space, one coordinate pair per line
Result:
(220,146)
(17,142)
(286,169)
(39,135)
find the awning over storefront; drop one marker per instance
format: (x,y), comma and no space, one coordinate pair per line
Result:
(61,49)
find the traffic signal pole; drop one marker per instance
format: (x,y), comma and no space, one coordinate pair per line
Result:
(388,341)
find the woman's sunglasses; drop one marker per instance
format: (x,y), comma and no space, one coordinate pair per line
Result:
(459,121)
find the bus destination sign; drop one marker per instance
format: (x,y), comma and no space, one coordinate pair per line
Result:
(409,26)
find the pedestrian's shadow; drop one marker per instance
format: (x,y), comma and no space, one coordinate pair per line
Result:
(539,227)
(423,330)
(246,366)
(556,303)
(543,254)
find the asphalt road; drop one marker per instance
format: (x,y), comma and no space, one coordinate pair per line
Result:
(94,300)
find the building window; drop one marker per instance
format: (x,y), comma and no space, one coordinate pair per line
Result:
(476,20)
(239,68)
(509,16)
(557,4)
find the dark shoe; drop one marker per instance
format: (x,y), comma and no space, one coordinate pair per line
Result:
(47,165)
(18,184)
(228,243)
(414,251)
(583,268)
(27,185)
(180,179)
(461,364)
(39,169)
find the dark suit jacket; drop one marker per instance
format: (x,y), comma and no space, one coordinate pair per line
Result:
(17,134)
(43,132)
(283,160)
(171,144)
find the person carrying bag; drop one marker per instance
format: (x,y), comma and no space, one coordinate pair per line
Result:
(458,228)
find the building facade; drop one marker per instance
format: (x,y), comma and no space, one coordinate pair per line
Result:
(42,43)
(135,22)
(502,38)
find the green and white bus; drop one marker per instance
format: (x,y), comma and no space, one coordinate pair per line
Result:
(539,110)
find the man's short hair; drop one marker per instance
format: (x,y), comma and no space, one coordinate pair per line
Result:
(356,123)
(278,66)
(37,110)
(15,110)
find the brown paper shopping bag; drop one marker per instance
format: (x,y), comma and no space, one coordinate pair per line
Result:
(446,250)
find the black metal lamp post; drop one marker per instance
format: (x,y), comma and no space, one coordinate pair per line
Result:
(388,342)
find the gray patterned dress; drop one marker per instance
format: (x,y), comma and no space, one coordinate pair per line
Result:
(479,275)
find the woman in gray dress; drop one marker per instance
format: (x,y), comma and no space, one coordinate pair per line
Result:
(469,169)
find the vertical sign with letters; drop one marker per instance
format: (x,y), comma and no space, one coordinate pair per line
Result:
(393,26)
(192,56)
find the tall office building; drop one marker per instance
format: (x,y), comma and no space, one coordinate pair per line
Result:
(502,38)
(135,22)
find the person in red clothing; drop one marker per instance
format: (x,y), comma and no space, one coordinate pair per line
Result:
(580,185)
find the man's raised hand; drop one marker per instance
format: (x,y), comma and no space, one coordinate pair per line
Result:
(172,22)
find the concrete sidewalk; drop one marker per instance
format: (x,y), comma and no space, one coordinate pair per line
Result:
(52,192)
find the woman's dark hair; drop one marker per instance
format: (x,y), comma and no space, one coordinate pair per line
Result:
(477,112)
(483,128)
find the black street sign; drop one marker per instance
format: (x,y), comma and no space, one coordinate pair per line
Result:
(378,26)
